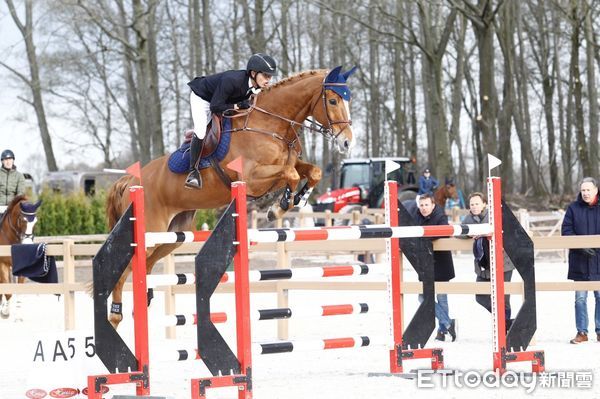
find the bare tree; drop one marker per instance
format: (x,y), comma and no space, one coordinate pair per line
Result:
(33,80)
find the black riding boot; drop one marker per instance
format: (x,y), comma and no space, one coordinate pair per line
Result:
(193,179)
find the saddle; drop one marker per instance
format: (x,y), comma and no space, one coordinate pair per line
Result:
(216,146)
(212,137)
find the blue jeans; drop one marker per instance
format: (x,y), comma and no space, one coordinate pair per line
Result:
(442,312)
(581,311)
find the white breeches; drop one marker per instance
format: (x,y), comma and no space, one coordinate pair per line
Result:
(200,114)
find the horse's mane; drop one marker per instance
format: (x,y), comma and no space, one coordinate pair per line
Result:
(15,201)
(293,78)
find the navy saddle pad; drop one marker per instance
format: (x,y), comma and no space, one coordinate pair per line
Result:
(179,161)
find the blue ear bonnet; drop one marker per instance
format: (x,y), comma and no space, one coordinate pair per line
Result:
(29,209)
(339,78)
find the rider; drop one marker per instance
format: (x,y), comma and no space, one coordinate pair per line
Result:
(427,183)
(221,92)
(12,182)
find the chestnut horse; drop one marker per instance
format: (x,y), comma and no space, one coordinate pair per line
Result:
(266,136)
(16,226)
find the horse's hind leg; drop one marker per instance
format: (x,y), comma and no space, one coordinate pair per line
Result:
(116,308)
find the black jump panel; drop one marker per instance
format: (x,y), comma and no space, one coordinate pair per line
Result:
(107,267)
(211,263)
(519,248)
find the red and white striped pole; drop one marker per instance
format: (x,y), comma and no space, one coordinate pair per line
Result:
(394,259)
(242,289)
(140,309)
(497,272)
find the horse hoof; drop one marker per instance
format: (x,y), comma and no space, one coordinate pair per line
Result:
(271,216)
(5,310)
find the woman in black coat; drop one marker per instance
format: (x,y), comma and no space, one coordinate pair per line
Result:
(583,218)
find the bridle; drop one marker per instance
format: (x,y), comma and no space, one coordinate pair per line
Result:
(328,131)
(21,235)
(296,127)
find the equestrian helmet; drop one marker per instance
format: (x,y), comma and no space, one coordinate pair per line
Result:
(264,63)
(6,154)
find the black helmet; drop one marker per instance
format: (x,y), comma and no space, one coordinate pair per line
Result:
(7,154)
(260,62)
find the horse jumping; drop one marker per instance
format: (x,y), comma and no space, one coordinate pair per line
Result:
(16,226)
(267,139)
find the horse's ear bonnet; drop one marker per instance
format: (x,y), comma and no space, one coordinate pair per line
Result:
(337,76)
(29,209)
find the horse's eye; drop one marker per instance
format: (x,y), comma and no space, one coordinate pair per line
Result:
(332,101)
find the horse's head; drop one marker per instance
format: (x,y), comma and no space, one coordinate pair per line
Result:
(26,219)
(334,115)
(451,190)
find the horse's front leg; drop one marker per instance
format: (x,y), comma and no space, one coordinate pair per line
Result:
(275,176)
(313,176)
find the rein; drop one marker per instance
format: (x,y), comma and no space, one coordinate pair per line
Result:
(296,127)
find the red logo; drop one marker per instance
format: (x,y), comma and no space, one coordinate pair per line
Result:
(64,392)
(36,394)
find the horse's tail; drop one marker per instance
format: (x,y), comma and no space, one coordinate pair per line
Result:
(114,200)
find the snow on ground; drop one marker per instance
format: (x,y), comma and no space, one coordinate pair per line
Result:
(340,373)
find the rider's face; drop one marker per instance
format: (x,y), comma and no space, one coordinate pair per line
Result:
(263,80)
(8,163)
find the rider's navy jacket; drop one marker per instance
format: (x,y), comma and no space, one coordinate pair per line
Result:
(222,90)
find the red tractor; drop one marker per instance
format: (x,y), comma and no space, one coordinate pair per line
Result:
(361,183)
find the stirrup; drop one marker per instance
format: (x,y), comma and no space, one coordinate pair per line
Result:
(193,180)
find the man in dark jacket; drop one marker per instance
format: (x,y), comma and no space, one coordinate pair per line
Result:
(225,91)
(429,214)
(583,218)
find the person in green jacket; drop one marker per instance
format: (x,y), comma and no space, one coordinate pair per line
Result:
(12,182)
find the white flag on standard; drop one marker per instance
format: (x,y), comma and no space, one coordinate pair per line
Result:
(493,162)
(390,166)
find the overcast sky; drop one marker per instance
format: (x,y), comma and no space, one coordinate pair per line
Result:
(18,124)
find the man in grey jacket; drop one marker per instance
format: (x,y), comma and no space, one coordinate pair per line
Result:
(12,182)
(478,213)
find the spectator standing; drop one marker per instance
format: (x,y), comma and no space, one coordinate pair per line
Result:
(12,182)
(478,213)
(583,218)
(429,214)
(427,183)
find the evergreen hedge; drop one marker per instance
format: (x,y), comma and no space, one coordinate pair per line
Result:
(76,214)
